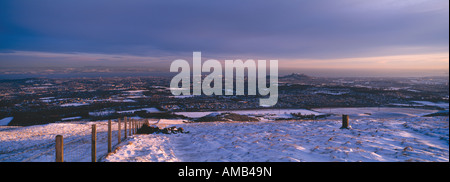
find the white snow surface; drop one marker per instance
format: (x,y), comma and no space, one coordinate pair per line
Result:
(149,110)
(438,104)
(370,140)
(376,112)
(6,121)
(74,104)
(37,143)
(401,137)
(71,118)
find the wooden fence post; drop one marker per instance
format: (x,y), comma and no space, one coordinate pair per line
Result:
(132,127)
(129,128)
(118,120)
(125,128)
(59,148)
(109,137)
(345,122)
(135,127)
(94,143)
(138,125)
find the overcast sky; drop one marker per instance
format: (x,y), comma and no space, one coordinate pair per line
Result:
(331,34)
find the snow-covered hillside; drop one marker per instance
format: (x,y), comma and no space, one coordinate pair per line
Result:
(37,143)
(412,139)
(400,137)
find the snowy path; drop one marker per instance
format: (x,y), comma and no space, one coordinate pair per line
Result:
(142,149)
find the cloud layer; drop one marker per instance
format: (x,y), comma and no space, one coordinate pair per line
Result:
(306,30)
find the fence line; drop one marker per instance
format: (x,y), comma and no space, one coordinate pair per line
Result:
(133,127)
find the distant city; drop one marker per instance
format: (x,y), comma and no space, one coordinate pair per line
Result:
(30,101)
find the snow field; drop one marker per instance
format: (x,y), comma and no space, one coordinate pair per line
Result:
(37,143)
(370,140)
(401,137)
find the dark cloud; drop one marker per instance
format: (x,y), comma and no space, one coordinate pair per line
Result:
(276,29)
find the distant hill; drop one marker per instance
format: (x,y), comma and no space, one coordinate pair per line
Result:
(296,76)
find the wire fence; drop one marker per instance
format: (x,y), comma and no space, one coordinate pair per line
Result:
(97,141)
